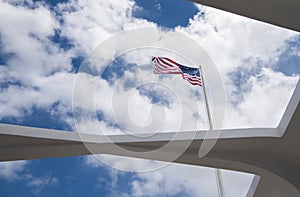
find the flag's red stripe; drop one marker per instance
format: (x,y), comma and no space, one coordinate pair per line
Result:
(195,83)
(170,64)
(172,61)
(162,63)
(193,79)
(159,65)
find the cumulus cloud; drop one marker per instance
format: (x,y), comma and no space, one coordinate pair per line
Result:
(27,38)
(230,39)
(267,99)
(20,171)
(12,170)
(191,181)
(88,23)
(36,67)
(171,179)
(42,69)
(245,52)
(37,184)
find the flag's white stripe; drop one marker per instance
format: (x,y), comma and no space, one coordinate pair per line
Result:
(195,83)
(169,70)
(193,78)
(165,63)
(168,62)
(171,61)
(165,72)
(161,64)
(198,80)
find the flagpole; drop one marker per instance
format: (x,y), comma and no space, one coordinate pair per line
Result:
(217,171)
(205,98)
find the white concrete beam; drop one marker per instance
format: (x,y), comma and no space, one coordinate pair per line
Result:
(283,13)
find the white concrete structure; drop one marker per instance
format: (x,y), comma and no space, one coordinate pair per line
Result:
(284,13)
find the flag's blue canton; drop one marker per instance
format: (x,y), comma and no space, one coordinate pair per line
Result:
(190,71)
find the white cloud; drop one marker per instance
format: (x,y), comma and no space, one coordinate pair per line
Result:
(37,184)
(175,179)
(230,39)
(124,163)
(18,170)
(88,23)
(26,37)
(236,183)
(12,170)
(265,103)
(38,67)
(171,179)
(42,181)
(246,50)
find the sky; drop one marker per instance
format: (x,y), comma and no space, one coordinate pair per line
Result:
(46,82)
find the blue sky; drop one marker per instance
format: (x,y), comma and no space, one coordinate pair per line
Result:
(43,43)
(165,15)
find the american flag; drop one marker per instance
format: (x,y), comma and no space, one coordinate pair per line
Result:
(164,65)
